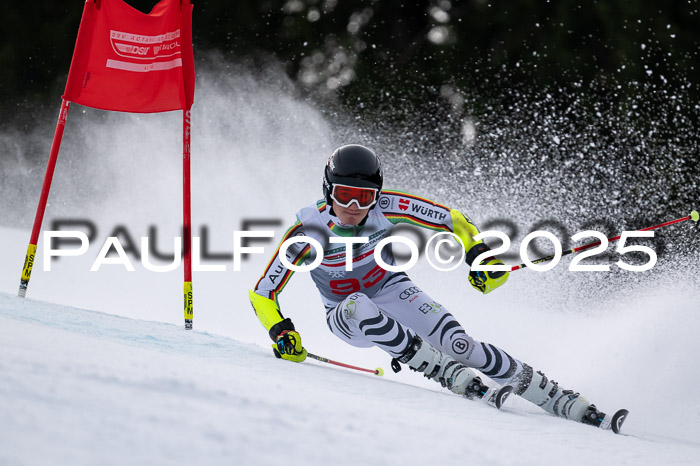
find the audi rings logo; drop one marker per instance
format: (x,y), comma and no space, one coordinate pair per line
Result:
(408,292)
(460,346)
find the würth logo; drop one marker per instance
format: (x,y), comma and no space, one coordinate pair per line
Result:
(404,203)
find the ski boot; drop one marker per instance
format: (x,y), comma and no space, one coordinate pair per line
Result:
(593,417)
(545,393)
(421,356)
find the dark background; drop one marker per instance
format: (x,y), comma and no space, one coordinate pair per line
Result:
(570,99)
(348,49)
(587,112)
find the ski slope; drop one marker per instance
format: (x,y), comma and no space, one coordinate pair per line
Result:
(115,379)
(82,387)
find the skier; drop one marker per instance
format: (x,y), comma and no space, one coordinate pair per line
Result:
(370,306)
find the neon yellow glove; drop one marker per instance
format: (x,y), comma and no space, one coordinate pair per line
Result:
(485,282)
(288,346)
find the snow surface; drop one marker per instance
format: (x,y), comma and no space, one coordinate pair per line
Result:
(128,384)
(83,387)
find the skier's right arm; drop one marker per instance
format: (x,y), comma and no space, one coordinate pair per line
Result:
(264,299)
(401,207)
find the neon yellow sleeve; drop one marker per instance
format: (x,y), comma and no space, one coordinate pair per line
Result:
(464,229)
(266,309)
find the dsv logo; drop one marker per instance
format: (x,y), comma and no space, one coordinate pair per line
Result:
(408,292)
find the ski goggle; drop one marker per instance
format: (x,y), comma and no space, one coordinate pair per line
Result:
(345,195)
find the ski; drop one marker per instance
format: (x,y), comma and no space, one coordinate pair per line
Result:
(496,396)
(615,421)
(499,395)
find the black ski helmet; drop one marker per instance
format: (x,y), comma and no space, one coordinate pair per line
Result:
(352,165)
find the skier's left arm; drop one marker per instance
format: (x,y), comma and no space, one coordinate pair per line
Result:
(400,207)
(263,298)
(287,341)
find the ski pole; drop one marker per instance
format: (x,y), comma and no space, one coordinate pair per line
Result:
(694,216)
(378,371)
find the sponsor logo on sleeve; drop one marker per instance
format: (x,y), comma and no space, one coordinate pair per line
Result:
(275,274)
(428,212)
